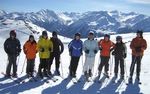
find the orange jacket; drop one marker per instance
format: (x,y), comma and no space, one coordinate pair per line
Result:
(105,46)
(138,42)
(30,49)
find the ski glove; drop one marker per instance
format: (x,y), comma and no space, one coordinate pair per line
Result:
(95,51)
(87,51)
(111,49)
(113,53)
(125,55)
(138,49)
(42,50)
(100,48)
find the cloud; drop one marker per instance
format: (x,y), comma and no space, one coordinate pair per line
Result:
(140,1)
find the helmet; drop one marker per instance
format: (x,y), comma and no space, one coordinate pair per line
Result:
(78,34)
(139,32)
(118,38)
(44,33)
(54,33)
(12,33)
(106,35)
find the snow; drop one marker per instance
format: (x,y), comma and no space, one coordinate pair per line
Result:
(94,23)
(66,86)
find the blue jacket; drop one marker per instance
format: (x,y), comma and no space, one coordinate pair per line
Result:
(75,48)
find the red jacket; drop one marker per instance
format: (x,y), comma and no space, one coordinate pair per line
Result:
(30,50)
(106,46)
(138,43)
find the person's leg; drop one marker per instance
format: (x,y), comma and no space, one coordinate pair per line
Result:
(134,60)
(28,67)
(122,67)
(57,63)
(138,68)
(50,62)
(86,66)
(102,63)
(14,58)
(91,65)
(32,66)
(116,67)
(76,61)
(106,60)
(8,69)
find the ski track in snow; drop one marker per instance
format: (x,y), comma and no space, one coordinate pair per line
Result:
(7,86)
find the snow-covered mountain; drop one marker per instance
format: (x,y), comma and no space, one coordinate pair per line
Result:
(67,24)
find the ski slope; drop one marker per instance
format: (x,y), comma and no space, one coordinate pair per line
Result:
(7,86)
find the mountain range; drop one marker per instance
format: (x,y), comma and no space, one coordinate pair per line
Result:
(67,24)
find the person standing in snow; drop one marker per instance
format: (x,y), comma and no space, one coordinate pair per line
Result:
(120,53)
(75,51)
(58,49)
(90,47)
(105,46)
(44,46)
(12,48)
(30,51)
(138,45)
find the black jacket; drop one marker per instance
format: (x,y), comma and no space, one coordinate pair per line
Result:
(120,50)
(12,46)
(58,46)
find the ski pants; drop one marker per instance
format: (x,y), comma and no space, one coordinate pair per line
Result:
(135,60)
(73,65)
(119,61)
(43,65)
(57,61)
(104,62)
(30,66)
(11,61)
(89,63)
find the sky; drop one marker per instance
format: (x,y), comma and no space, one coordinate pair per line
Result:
(139,6)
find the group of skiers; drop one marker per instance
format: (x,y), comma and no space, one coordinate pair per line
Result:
(52,48)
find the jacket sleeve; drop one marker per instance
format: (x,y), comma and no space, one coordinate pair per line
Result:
(144,44)
(132,44)
(62,46)
(19,46)
(125,48)
(6,47)
(70,46)
(51,46)
(97,47)
(24,48)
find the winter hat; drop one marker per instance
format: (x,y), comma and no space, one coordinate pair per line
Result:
(44,33)
(54,33)
(91,33)
(77,34)
(106,35)
(12,33)
(118,38)
(140,32)
(31,36)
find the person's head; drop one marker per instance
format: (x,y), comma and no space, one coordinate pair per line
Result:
(54,34)
(106,37)
(118,39)
(44,34)
(12,34)
(91,35)
(139,33)
(77,36)
(31,38)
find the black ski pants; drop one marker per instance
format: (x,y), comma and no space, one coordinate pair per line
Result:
(73,65)
(11,62)
(135,60)
(57,61)
(30,66)
(119,61)
(104,62)
(43,65)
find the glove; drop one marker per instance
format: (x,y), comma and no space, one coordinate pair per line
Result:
(42,50)
(95,51)
(50,49)
(125,55)
(111,49)
(100,48)
(138,49)
(87,51)
(113,53)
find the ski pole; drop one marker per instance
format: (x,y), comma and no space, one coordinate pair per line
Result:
(23,65)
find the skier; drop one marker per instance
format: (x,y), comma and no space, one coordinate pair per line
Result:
(120,54)
(90,48)
(58,49)
(138,45)
(105,46)
(30,51)
(75,51)
(45,46)
(12,48)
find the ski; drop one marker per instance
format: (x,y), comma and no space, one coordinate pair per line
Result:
(75,80)
(16,80)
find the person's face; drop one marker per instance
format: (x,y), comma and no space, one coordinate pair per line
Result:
(138,35)
(31,39)
(106,38)
(77,37)
(119,41)
(45,36)
(12,36)
(91,36)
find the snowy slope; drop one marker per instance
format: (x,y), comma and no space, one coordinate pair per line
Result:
(66,86)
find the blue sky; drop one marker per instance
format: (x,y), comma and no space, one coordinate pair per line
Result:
(139,6)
